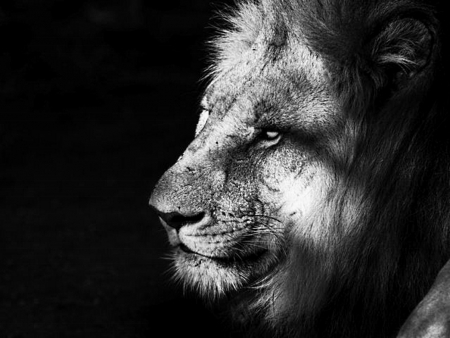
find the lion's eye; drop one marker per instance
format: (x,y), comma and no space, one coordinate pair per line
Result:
(271,136)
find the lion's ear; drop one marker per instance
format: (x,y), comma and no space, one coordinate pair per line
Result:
(400,51)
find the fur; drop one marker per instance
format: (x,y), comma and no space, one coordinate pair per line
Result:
(402,162)
(371,248)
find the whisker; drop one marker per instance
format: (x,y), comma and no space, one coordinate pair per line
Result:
(268,217)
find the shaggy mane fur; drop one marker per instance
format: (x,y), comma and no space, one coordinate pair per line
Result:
(386,64)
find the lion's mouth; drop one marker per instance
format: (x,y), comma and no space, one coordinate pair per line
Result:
(184,248)
(230,259)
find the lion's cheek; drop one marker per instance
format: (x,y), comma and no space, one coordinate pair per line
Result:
(298,198)
(297,193)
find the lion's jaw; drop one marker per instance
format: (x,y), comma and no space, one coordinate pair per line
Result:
(226,252)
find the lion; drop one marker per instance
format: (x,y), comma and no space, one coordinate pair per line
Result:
(314,198)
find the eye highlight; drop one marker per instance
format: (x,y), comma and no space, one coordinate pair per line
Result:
(270,136)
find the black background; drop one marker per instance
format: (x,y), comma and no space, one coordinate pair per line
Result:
(98,99)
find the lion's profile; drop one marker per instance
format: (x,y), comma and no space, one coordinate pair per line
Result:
(315,195)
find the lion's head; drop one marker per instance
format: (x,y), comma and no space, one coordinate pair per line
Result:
(307,193)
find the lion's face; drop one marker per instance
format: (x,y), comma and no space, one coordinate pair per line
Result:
(249,186)
(308,196)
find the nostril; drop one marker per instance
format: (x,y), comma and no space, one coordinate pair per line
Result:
(177,220)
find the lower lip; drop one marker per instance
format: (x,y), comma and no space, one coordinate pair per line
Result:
(184,248)
(223,260)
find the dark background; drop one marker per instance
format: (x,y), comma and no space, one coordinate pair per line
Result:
(97,99)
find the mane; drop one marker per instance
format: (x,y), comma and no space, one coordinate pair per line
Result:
(394,187)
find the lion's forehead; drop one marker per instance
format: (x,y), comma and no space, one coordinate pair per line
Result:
(271,94)
(293,59)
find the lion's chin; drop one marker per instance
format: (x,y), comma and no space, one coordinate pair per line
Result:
(213,277)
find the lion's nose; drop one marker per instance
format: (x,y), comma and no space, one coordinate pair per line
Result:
(176,204)
(176,220)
